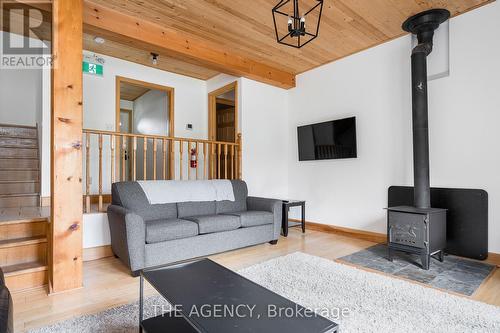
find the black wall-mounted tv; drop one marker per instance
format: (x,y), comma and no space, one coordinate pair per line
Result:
(329,140)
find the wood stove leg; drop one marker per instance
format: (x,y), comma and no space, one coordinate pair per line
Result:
(441,256)
(425,261)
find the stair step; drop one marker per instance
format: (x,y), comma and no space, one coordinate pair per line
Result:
(16,242)
(18,152)
(6,141)
(24,276)
(23,268)
(19,200)
(16,163)
(19,187)
(18,131)
(19,174)
(23,230)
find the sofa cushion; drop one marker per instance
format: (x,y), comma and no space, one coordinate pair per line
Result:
(169,229)
(216,223)
(197,208)
(240,191)
(253,218)
(131,196)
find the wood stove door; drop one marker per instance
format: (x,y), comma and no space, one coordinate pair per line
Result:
(407,229)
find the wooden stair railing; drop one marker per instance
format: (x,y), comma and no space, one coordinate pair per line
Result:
(113,156)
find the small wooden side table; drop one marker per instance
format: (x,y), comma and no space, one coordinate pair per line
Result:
(286,207)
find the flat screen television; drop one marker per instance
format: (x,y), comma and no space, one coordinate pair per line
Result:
(329,140)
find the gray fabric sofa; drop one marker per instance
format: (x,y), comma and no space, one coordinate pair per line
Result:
(146,235)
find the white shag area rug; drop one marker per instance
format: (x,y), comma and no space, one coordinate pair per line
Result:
(370,302)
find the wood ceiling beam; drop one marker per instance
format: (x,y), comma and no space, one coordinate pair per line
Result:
(122,27)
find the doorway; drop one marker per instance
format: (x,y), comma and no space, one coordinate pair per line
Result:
(143,109)
(223,121)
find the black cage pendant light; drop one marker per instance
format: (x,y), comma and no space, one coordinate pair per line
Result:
(302,21)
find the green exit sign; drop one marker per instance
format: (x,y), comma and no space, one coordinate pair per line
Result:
(94,69)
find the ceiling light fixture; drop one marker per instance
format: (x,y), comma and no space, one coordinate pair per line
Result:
(154,58)
(99,40)
(295,33)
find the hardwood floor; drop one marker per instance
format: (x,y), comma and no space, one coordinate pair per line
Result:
(107,282)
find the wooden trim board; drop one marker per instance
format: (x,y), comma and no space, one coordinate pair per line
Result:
(493,258)
(98,252)
(354,233)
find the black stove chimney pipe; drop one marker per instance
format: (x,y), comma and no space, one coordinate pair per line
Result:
(423,25)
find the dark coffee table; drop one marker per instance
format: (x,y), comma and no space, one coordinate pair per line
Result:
(211,298)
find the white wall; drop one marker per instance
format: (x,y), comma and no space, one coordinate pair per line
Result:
(99,109)
(20,93)
(375,87)
(150,113)
(263,124)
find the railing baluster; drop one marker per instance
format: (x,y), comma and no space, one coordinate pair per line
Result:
(212,161)
(171,162)
(144,159)
(164,158)
(239,141)
(154,158)
(112,145)
(189,160)
(232,161)
(87,173)
(100,173)
(205,153)
(134,160)
(180,159)
(225,161)
(197,162)
(124,158)
(219,158)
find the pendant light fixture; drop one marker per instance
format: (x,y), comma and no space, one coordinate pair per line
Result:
(302,24)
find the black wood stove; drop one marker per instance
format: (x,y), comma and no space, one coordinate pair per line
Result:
(419,229)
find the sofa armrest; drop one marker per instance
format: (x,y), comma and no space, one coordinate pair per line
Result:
(128,236)
(269,205)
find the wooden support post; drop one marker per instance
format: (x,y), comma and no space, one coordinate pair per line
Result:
(100,172)
(65,243)
(240,153)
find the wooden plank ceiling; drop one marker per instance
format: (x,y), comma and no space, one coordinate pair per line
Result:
(202,38)
(246,27)
(131,92)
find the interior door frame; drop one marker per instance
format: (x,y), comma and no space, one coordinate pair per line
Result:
(171,112)
(212,109)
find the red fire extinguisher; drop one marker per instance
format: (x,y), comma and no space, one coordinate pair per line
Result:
(194,159)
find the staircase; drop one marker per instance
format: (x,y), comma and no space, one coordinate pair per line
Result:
(23,224)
